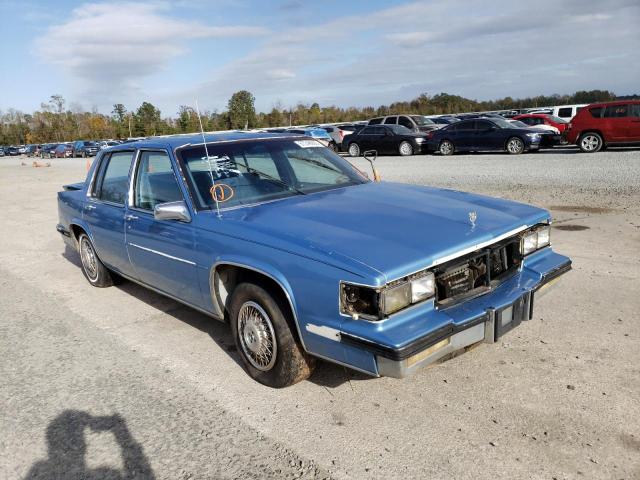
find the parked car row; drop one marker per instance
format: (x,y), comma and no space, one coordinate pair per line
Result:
(80,148)
(594,127)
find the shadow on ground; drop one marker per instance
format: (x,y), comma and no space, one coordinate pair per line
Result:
(67,447)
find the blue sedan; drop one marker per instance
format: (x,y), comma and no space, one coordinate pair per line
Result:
(304,256)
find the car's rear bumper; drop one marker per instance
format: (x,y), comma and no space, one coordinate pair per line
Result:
(483,319)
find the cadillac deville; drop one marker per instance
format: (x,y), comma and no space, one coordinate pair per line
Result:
(304,256)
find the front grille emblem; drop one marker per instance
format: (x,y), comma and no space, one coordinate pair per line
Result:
(473,216)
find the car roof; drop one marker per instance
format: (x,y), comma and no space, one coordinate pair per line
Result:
(617,102)
(176,141)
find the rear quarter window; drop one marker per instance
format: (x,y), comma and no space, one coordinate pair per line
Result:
(566,112)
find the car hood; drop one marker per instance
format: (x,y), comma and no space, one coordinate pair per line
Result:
(389,228)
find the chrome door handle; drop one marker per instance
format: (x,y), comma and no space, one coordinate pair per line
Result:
(130,217)
(90,207)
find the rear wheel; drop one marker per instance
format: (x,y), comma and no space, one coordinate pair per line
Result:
(93,269)
(405,148)
(266,343)
(354,150)
(515,146)
(446,147)
(590,142)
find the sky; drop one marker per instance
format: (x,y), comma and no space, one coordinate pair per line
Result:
(345,53)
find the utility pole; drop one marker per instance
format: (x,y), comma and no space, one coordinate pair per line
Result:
(130,125)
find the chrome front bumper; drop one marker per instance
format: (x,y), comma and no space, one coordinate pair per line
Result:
(487,329)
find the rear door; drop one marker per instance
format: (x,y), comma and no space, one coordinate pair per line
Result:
(464,132)
(104,210)
(161,251)
(634,122)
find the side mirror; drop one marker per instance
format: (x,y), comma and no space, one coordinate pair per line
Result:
(172,211)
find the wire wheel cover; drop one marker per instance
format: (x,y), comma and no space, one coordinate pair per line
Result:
(257,336)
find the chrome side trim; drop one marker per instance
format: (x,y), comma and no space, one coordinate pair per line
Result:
(166,255)
(220,308)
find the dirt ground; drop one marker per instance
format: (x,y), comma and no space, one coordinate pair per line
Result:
(122,381)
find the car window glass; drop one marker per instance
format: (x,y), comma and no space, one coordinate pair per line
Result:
(375,121)
(155,181)
(615,111)
(405,122)
(113,185)
(565,112)
(259,158)
(596,112)
(311,168)
(296,166)
(366,131)
(390,120)
(635,110)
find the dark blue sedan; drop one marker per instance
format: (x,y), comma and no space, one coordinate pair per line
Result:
(483,135)
(304,256)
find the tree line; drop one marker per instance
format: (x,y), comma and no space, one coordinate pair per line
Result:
(56,121)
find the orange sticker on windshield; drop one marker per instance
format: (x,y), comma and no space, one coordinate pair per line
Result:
(221,192)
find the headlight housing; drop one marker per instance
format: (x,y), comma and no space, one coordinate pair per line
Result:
(533,136)
(535,239)
(375,304)
(419,139)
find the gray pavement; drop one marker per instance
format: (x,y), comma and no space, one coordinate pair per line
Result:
(121,380)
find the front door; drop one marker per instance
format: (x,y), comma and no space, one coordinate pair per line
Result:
(161,251)
(104,210)
(634,122)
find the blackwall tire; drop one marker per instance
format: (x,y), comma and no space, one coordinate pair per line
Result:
(514,146)
(590,142)
(265,339)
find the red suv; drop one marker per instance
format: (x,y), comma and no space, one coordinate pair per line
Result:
(533,119)
(601,124)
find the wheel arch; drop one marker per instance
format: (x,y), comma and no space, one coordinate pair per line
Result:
(225,275)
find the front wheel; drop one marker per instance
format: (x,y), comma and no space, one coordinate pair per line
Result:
(515,146)
(405,149)
(354,150)
(263,336)
(93,269)
(590,142)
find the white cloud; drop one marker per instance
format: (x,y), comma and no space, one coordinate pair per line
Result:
(111,46)
(280,74)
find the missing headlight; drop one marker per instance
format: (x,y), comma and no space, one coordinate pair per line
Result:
(359,300)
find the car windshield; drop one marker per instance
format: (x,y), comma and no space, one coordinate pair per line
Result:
(249,172)
(399,129)
(519,124)
(422,121)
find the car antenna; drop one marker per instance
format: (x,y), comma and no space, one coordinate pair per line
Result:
(214,193)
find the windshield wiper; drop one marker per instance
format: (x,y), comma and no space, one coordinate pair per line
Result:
(274,179)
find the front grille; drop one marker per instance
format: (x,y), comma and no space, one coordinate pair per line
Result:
(476,273)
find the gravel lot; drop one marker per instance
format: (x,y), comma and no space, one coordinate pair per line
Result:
(124,380)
